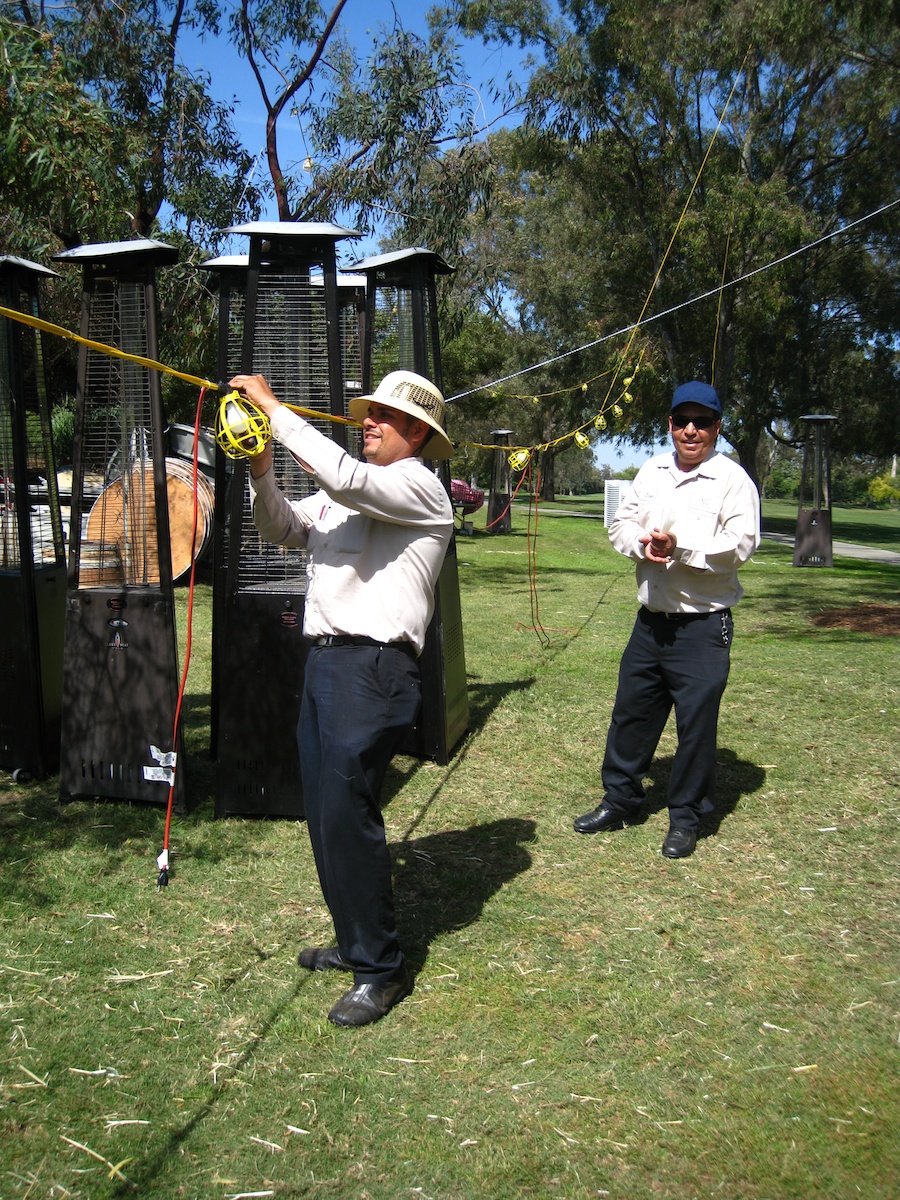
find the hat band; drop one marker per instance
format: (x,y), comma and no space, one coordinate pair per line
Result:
(411,393)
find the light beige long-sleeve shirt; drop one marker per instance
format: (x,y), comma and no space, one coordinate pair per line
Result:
(713,511)
(375,537)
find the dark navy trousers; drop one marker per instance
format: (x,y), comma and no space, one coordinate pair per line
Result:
(359,703)
(679,663)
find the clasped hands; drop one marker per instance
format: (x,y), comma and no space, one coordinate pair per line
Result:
(659,545)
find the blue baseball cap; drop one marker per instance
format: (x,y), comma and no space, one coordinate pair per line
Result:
(696,392)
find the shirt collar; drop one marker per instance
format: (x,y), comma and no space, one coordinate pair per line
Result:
(705,467)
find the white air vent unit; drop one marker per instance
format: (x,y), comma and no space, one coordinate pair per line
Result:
(614,492)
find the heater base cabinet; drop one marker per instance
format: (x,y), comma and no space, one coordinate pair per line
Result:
(120,682)
(444,715)
(31,670)
(261,655)
(813,545)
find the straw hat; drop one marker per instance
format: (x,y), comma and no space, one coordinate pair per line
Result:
(413,394)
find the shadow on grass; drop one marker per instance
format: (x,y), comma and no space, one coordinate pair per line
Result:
(143,1175)
(735,778)
(484,698)
(862,532)
(443,881)
(513,577)
(33,821)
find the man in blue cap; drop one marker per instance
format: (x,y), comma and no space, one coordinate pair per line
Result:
(689,522)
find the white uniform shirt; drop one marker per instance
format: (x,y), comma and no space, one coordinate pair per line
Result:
(713,511)
(375,537)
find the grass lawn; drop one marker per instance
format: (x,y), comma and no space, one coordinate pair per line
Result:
(589,1018)
(879,528)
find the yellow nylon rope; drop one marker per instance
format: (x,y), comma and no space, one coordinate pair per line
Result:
(151,363)
(102,348)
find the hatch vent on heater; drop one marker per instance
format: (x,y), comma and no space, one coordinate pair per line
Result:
(99,771)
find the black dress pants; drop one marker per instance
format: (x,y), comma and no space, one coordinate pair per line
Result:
(679,663)
(358,705)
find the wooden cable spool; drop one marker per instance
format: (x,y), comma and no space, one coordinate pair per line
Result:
(124,516)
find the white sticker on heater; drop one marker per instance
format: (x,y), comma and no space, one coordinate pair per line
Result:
(159,774)
(165,758)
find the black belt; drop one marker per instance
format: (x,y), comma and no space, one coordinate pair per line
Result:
(346,639)
(683,616)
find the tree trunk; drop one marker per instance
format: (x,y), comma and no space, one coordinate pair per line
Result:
(548,476)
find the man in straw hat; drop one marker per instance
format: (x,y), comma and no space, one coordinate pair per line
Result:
(376,534)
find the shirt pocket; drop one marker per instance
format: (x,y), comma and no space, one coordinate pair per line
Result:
(349,535)
(703,513)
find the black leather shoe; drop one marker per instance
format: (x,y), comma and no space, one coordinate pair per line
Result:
(601,818)
(368,1002)
(322,959)
(679,843)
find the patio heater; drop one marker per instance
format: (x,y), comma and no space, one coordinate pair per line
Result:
(812,544)
(352,321)
(32,554)
(401,333)
(120,668)
(499,519)
(280,316)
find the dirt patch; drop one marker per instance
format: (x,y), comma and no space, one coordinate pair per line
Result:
(864,618)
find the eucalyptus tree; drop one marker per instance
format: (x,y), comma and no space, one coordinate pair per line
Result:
(171,147)
(53,135)
(703,146)
(121,140)
(389,131)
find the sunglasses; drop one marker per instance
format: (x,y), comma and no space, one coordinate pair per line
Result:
(679,421)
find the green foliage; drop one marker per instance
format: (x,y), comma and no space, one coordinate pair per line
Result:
(622,111)
(627,473)
(53,135)
(576,473)
(849,484)
(174,145)
(104,128)
(390,129)
(62,425)
(885,489)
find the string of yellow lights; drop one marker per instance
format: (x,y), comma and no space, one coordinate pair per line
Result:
(520,456)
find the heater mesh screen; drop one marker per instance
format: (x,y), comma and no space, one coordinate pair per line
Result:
(351,363)
(34,517)
(393,345)
(117,503)
(290,350)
